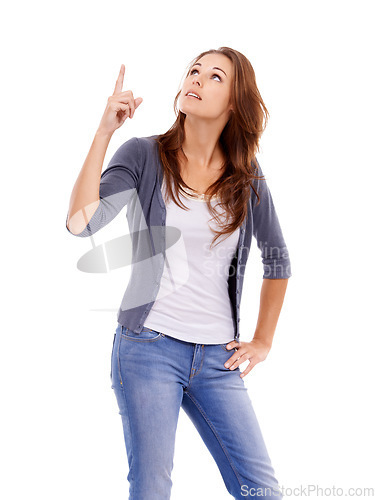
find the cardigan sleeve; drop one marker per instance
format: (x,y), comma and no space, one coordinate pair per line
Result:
(268,233)
(118,183)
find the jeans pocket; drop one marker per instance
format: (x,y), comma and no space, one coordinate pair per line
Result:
(145,335)
(223,346)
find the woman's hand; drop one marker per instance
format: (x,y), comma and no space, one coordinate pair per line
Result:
(254,351)
(120,106)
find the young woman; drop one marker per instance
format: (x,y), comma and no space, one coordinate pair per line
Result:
(177,337)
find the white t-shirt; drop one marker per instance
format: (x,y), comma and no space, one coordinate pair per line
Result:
(193,302)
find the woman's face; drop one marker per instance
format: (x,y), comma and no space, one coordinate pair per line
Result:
(211,79)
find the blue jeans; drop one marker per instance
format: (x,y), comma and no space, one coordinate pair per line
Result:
(153,375)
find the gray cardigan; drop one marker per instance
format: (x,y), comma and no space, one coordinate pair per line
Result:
(134,178)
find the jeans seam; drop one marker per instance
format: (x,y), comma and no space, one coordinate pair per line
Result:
(200,368)
(200,409)
(118,361)
(113,345)
(126,415)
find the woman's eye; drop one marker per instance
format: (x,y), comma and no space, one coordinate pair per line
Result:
(191,72)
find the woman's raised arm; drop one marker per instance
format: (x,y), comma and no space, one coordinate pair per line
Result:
(85,199)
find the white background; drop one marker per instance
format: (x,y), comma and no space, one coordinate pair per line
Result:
(61,432)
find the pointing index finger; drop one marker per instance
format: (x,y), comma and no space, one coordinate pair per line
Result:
(120,80)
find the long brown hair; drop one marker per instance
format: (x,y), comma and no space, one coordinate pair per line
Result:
(239,140)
